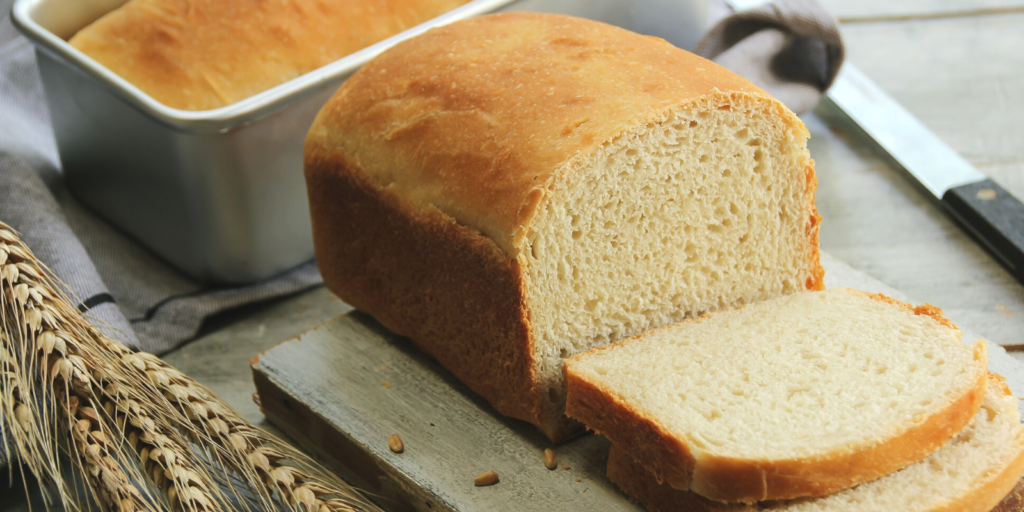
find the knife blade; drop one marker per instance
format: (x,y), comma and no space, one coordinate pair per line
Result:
(986,210)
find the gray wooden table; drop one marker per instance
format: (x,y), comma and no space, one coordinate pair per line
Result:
(955,64)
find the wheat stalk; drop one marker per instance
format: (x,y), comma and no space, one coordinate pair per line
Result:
(282,469)
(79,378)
(64,341)
(66,403)
(174,468)
(24,430)
(163,416)
(73,375)
(100,461)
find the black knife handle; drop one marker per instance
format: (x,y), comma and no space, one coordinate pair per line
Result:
(995,217)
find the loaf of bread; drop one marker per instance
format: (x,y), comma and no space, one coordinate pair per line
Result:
(205,54)
(972,473)
(803,395)
(511,190)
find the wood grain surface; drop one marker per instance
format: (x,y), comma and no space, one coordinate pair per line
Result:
(859,11)
(881,222)
(962,77)
(343,388)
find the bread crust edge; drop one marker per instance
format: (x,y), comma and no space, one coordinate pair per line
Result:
(835,471)
(671,459)
(642,487)
(489,348)
(1003,493)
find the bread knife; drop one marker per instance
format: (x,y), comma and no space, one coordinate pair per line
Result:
(986,210)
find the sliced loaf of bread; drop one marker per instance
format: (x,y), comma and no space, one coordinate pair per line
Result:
(514,189)
(972,473)
(804,395)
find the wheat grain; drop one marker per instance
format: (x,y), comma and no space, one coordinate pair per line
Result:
(37,325)
(100,462)
(182,480)
(396,444)
(550,461)
(155,410)
(484,479)
(284,471)
(24,431)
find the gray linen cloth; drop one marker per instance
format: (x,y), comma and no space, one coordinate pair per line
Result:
(790,48)
(134,295)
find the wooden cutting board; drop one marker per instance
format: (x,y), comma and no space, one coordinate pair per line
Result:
(342,388)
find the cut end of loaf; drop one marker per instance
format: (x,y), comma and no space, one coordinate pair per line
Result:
(800,396)
(709,207)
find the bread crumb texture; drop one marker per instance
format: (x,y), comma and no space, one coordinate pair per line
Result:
(971,473)
(705,209)
(790,378)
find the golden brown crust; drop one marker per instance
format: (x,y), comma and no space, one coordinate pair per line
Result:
(994,379)
(816,281)
(480,127)
(1002,491)
(995,494)
(205,54)
(642,487)
(1014,501)
(926,309)
(448,289)
(665,455)
(787,479)
(671,460)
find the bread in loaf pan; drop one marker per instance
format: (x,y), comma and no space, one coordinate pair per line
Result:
(205,54)
(514,189)
(977,470)
(803,395)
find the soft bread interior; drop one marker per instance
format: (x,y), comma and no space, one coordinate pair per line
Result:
(709,208)
(991,445)
(971,472)
(803,376)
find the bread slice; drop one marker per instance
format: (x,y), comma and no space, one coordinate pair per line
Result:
(974,472)
(514,189)
(205,54)
(803,395)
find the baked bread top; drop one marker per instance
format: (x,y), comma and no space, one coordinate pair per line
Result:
(519,112)
(803,395)
(511,190)
(205,54)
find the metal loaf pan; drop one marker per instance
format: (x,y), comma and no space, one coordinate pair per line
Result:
(220,193)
